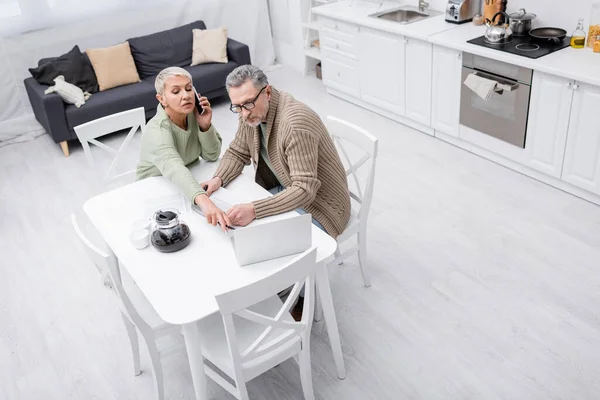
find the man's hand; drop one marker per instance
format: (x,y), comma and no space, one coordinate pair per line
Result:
(212,213)
(242,214)
(205,119)
(212,185)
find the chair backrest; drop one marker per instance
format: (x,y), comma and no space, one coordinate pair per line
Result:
(89,132)
(279,333)
(107,261)
(344,132)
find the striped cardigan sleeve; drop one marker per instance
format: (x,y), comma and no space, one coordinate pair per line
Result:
(301,150)
(235,158)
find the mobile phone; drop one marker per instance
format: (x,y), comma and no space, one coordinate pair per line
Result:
(197,101)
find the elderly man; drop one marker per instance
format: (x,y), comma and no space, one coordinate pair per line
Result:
(293,155)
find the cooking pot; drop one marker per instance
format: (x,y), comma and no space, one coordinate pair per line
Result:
(498,33)
(521,21)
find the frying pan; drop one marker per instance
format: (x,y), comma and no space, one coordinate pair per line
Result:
(553,35)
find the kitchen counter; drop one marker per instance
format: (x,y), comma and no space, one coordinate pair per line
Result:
(580,64)
(357,12)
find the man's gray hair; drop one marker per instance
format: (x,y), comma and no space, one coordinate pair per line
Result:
(245,73)
(161,78)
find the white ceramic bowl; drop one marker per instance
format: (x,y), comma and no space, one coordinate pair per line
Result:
(139,238)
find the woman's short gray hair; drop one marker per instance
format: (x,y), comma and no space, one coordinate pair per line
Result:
(243,73)
(161,78)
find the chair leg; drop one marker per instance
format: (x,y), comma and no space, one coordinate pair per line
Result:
(318,309)
(362,258)
(306,370)
(337,254)
(159,384)
(243,390)
(133,341)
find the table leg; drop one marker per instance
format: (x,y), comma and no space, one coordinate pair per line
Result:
(318,310)
(194,351)
(330,319)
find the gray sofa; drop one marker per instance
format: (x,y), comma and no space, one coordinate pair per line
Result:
(151,54)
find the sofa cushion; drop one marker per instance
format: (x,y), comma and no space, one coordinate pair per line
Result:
(209,77)
(155,52)
(206,77)
(74,66)
(122,98)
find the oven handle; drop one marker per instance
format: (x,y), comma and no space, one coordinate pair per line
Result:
(501,85)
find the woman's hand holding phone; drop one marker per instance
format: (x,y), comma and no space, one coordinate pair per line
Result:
(202,112)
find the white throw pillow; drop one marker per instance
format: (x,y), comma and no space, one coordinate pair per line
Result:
(70,93)
(210,45)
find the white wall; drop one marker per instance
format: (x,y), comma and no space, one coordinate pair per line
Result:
(558,13)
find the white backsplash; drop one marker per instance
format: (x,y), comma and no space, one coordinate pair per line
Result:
(558,13)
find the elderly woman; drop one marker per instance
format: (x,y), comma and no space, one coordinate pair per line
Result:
(177,136)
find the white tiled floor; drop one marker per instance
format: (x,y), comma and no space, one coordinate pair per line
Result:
(485,282)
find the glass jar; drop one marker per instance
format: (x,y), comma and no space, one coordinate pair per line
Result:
(597,44)
(478,20)
(594,30)
(578,37)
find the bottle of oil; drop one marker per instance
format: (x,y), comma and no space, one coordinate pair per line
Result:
(578,37)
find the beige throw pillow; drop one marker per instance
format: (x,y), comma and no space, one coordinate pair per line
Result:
(210,45)
(114,66)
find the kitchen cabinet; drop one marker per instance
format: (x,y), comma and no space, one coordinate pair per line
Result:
(381,66)
(339,56)
(582,154)
(418,58)
(548,123)
(445,93)
(340,73)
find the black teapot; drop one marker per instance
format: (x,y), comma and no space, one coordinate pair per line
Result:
(169,233)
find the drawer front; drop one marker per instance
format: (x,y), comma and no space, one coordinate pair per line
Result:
(329,44)
(337,28)
(341,73)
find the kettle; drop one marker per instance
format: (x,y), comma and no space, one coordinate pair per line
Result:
(169,234)
(497,34)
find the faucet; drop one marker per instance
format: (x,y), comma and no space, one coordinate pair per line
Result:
(423,5)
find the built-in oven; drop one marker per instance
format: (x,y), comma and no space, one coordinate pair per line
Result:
(504,114)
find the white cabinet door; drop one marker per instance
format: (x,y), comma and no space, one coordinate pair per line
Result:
(445,94)
(582,155)
(418,81)
(548,122)
(340,73)
(381,66)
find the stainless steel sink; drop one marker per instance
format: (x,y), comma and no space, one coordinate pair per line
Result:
(405,14)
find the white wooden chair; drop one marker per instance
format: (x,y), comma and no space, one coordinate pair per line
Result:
(136,312)
(255,332)
(89,132)
(343,133)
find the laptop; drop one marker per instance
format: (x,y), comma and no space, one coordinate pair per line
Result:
(270,240)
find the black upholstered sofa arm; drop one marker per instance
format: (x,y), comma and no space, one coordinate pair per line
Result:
(238,52)
(49,110)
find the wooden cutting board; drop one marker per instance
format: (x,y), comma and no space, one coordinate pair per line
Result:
(491,7)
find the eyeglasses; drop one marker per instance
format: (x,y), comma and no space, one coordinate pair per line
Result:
(236,109)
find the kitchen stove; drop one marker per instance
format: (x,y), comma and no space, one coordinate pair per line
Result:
(523,46)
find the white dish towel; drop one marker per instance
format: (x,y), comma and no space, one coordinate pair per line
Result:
(481,86)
